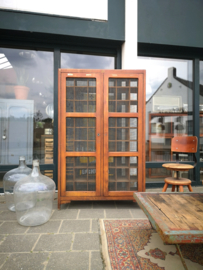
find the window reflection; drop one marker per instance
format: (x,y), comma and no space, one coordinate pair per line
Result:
(26,105)
(84,61)
(169,103)
(201,114)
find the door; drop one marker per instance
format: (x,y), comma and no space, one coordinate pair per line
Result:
(101,134)
(124,133)
(80,133)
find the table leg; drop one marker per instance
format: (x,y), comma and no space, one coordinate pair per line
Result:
(181,256)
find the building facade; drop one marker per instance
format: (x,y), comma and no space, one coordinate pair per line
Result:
(164,38)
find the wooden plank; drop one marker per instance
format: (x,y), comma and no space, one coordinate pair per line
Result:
(187,213)
(156,211)
(172,214)
(187,205)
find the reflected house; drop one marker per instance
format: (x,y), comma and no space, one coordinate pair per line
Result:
(168,114)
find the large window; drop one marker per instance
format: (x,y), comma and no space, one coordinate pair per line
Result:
(168,109)
(26,106)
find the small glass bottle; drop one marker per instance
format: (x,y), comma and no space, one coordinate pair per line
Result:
(33,196)
(10,179)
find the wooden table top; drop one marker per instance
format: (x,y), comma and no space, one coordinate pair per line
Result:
(177,217)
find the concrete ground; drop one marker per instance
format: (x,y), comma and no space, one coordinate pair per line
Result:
(70,240)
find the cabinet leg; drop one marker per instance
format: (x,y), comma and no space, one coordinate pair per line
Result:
(59,205)
(165,187)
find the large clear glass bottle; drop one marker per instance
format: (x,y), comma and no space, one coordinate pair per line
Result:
(10,179)
(33,196)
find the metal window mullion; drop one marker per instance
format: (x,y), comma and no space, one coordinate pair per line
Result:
(196,129)
(57,65)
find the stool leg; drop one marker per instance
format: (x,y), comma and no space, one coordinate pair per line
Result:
(181,188)
(177,188)
(165,187)
(173,188)
(190,188)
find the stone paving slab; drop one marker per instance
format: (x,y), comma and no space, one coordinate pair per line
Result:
(18,243)
(138,213)
(69,261)
(94,213)
(96,261)
(52,226)
(125,205)
(12,227)
(86,241)
(65,214)
(3,258)
(75,226)
(26,261)
(7,215)
(54,242)
(95,225)
(118,213)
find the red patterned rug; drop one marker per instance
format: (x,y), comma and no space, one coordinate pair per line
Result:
(134,245)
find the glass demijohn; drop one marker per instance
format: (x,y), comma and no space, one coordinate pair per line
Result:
(33,196)
(10,179)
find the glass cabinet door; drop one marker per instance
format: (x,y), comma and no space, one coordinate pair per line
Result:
(123,140)
(80,134)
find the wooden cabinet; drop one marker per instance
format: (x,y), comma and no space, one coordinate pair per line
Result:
(101,145)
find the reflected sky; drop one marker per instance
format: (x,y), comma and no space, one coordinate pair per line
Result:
(83,61)
(157,71)
(33,69)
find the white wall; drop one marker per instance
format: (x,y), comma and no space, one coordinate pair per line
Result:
(129,48)
(89,9)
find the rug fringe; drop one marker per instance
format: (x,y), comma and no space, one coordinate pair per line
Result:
(104,246)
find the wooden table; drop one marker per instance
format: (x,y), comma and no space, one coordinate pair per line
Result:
(177,217)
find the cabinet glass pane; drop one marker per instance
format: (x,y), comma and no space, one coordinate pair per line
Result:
(123,95)
(80,134)
(80,95)
(80,174)
(123,134)
(123,173)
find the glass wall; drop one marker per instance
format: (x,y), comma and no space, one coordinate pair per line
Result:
(26,106)
(168,109)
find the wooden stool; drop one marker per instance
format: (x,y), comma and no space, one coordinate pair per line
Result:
(180,144)
(177,182)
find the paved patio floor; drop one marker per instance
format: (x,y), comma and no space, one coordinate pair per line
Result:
(70,240)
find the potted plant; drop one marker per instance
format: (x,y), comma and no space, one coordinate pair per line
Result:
(21,89)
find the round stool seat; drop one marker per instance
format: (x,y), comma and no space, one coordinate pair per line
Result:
(177,166)
(180,181)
